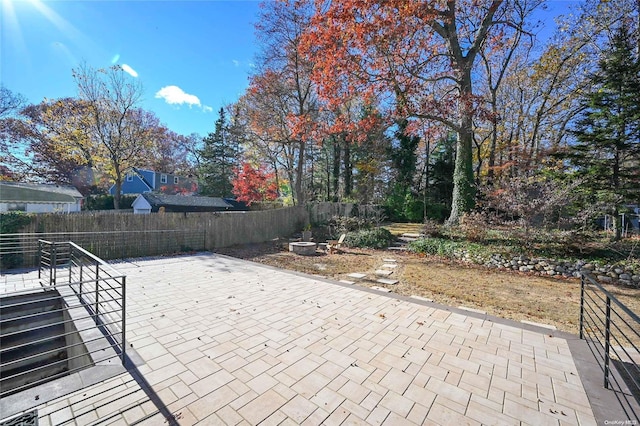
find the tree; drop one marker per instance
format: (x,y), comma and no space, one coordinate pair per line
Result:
(607,152)
(423,53)
(60,142)
(218,159)
(11,164)
(284,81)
(120,128)
(254,184)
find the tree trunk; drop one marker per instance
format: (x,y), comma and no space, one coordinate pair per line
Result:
(336,170)
(117,196)
(348,172)
(464,190)
(299,174)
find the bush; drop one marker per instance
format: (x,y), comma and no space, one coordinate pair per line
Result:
(105,202)
(377,238)
(343,224)
(11,223)
(447,248)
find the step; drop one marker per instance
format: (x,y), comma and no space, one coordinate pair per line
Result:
(41,354)
(397,248)
(8,383)
(18,325)
(17,339)
(412,235)
(27,304)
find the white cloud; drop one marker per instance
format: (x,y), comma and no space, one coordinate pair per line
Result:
(207,108)
(174,95)
(126,68)
(236,63)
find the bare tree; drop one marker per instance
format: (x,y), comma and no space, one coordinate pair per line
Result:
(119,127)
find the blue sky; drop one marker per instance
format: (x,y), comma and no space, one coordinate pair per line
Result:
(192,57)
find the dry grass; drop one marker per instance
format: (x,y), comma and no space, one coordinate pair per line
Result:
(504,294)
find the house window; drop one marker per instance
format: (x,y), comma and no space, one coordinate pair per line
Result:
(17,207)
(129,177)
(175,180)
(163,178)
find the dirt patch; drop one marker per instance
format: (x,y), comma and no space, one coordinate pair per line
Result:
(504,294)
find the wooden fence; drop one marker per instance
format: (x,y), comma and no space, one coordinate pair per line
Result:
(127,235)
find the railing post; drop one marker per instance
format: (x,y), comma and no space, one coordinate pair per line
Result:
(124,319)
(39,260)
(582,280)
(97,288)
(80,290)
(607,343)
(52,268)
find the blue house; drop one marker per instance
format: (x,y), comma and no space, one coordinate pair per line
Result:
(140,181)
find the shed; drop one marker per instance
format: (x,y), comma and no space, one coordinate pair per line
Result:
(152,202)
(39,198)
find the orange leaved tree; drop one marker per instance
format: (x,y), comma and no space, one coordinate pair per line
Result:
(416,57)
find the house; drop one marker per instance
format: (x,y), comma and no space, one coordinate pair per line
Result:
(152,202)
(139,181)
(39,198)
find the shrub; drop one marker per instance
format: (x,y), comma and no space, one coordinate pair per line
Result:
(474,226)
(343,224)
(11,223)
(448,248)
(105,202)
(377,238)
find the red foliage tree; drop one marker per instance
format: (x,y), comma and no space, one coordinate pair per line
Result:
(415,57)
(253,184)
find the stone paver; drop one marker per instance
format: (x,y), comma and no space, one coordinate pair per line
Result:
(231,342)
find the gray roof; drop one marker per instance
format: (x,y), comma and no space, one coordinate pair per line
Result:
(38,193)
(156,199)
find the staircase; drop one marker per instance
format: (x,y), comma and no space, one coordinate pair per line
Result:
(32,330)
(401,242)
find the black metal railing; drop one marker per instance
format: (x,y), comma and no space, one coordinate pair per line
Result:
(76,319)
(612,332)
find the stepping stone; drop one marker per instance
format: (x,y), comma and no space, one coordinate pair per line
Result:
(357,275)
(477,311)
(389,260)
(346,282)
(411,235)
(424,299)
(389,265)
(386,290)
(397,248)
(387,281)
(383,272)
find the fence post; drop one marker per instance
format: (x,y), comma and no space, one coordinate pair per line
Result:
(582,280)
(607,343)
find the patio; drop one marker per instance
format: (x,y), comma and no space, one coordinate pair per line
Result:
(217,340)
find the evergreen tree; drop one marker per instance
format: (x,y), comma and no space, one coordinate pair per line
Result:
(607,152)
(218,160)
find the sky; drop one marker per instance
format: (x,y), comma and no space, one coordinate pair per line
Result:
(192,57)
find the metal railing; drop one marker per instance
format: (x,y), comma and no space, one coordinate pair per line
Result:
(80,307)
(612,332)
